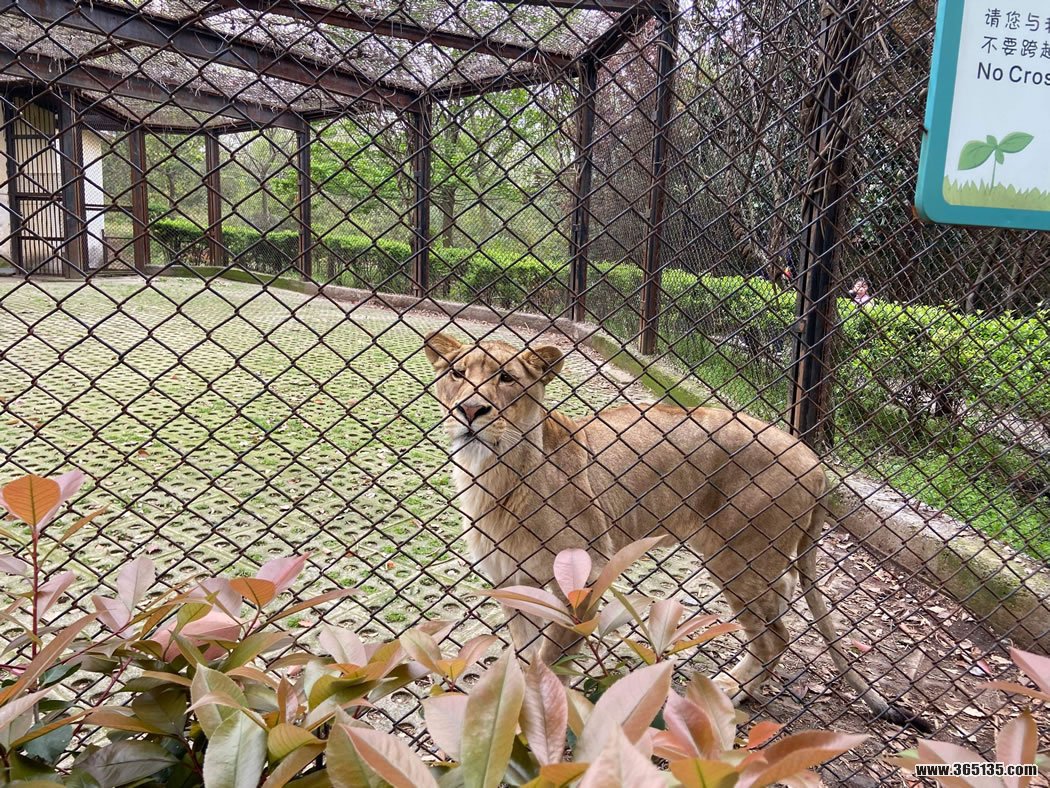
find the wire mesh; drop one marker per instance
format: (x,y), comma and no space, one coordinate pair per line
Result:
(230,226)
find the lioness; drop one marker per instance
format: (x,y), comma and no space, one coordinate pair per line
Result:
(736,490)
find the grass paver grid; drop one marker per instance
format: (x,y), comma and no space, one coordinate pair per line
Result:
(224,425)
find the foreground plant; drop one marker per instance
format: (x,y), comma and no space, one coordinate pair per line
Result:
(200,686)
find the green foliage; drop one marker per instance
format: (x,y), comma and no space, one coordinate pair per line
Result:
(977,152)
(202,686)
(997,196)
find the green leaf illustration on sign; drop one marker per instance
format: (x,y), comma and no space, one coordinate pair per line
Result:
(975,153)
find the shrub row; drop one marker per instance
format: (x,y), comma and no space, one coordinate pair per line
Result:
(350,260)
(916,356)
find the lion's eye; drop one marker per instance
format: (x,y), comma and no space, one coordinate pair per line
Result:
(456,373)
(505,378)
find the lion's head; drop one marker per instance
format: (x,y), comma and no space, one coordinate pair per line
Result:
(491,391)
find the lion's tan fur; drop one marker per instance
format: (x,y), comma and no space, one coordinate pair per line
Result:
(741,493)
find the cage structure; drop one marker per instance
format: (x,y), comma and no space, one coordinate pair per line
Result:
(213,69)
(231,224)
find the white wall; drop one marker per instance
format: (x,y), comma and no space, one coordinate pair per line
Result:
(94,197)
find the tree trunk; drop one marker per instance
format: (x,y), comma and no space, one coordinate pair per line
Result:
(446,205)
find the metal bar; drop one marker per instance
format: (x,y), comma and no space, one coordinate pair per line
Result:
(68,74)
(613,6)
(74,209)
(305,264)
(213,185)
(139,198)
(422,120)
(581,211)
(193,41)
(651,264)
(626,25)
(504,81)
(384,25)
(828,142)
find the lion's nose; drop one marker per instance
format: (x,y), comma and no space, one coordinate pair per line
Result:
(472,412)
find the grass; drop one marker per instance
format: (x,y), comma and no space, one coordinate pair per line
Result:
(225,425)
(983,195)
(969,475)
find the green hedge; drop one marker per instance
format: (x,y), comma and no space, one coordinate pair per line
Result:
(918,357)
(350,260)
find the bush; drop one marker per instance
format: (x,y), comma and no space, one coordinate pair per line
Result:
(214,692)
(510,280)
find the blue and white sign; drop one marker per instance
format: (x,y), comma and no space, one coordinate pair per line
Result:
(986,151)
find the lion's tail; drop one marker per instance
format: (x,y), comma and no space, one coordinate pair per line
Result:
(807,569)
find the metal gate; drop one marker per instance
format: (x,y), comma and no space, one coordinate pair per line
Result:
(36,199)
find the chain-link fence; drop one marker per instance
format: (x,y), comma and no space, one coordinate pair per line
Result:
(230,225)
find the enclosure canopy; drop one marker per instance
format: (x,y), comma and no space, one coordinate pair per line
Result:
(180,65)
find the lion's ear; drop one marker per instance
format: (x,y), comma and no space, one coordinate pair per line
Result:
(548,360)
(441,349)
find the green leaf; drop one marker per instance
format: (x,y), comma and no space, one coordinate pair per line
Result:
(236,754)
(162,709)
(285,738)
(974,154)
(1015,142)
(346,767)
(125,762)
(1000,157)
(491,723)
(992,141)
(210,682)
(49,747)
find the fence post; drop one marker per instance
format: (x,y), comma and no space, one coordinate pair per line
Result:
(303,215)
(74,207)
(139,198)
(650,316)
(421,117)
(830,108)
(581,198)
(213,185)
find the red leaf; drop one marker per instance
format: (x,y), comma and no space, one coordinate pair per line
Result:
(389,757)
(256,592)
(761,732)
(134,581)
(631,704)
(572,568)
(619,763)
(544,713)
(31,497)
(445,715)
(1017,742)
(50,591)
(532,600)
(795,754)
(863,648)
(619,563)
(282,572)
(1035,666)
